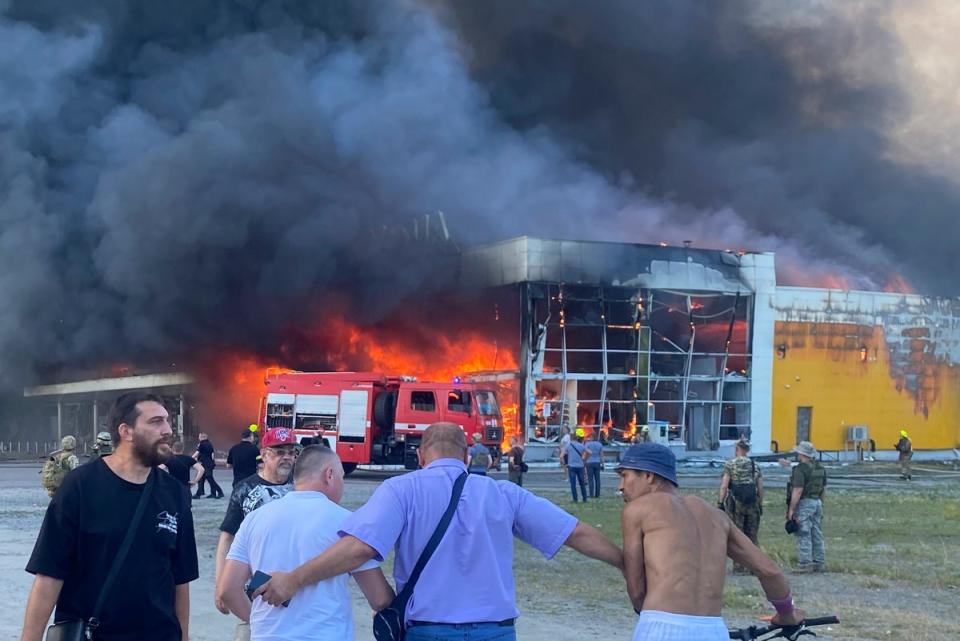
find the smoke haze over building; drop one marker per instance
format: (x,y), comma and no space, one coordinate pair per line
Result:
(205,174)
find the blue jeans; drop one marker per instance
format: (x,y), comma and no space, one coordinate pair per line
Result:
(462,632)
(576,475)
(593,479)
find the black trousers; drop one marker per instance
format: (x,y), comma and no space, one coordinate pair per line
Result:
(215,489)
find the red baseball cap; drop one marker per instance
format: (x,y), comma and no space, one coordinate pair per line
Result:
(278,436)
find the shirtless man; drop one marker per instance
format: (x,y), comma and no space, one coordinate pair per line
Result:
(675,549)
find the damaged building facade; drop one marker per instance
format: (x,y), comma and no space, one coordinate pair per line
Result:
(615,337)
(702,347)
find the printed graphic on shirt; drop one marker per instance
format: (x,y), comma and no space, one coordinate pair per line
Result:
(167,521)
(261,495)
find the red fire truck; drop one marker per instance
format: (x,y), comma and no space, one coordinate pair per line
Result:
(375,418)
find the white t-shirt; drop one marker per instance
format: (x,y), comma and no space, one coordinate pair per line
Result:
(281,536)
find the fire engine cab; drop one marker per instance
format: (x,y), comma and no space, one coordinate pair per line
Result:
(375,418)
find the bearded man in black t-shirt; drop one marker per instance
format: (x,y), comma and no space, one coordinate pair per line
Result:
(278,449)
(81,533)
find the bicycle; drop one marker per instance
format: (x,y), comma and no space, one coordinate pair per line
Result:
(789,632)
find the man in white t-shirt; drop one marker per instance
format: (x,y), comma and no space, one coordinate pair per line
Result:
(284,534)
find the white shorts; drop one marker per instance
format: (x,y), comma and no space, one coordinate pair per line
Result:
(655,625)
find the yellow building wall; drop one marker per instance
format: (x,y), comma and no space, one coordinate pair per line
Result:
(844,372)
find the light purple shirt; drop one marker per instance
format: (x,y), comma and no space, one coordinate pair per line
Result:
(469,578)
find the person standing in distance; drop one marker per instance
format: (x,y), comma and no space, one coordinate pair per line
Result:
(904,448)
(179,466)
(59,464)
(515,464)
(741,493)
(204,456)
(150,599)
(808,484)
(102,447)
(575,457)
(274,480)
(242,457)
(594,464)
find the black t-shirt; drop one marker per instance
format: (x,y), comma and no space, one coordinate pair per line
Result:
(82,531)
(179,466)
(248,495)
(243,458)
(205,447)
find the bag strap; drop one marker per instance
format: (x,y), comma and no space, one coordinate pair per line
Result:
(432,544)
(94,621)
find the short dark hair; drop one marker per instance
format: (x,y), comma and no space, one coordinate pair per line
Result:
(311,460)
(245,434)
(125,410)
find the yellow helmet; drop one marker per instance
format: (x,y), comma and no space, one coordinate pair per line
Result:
(580,432)
(253,427)
(904,434)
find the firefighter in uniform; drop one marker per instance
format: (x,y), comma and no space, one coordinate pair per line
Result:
(103,446)
(741,493)
(905,448)
(808,483)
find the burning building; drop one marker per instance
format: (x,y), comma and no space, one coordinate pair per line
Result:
(703,347)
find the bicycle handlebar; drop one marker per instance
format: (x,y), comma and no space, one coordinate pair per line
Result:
(786,631)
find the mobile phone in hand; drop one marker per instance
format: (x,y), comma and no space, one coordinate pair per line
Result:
(258,579)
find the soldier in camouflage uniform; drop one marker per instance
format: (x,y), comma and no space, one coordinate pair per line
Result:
(808,484)
(741,493)
(59,464)
(102,447)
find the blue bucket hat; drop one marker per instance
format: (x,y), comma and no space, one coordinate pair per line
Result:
(650,457)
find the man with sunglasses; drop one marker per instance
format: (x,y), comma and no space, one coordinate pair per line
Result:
(278,450)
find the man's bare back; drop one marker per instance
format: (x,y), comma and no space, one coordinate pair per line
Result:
(679,543)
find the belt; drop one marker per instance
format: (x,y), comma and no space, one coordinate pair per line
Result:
(506,623)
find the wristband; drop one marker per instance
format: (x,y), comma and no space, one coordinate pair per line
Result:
(783,606)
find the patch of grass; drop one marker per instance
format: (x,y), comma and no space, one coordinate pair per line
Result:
(880,545)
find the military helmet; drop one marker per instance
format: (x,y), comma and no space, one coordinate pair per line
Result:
(105,437)
(68,442)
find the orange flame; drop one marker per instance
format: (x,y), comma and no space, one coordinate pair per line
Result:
(233,383)
(898,284)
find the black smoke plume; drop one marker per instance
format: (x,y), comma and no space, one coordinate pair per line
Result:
(185,174)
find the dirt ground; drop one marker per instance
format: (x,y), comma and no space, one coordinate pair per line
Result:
(893,551)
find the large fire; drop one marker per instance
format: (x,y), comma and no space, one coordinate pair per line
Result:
(233,383)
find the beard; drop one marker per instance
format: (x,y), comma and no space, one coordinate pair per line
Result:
(151,453)
(284,470)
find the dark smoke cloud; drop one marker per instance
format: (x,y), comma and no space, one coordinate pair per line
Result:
(775,111)
(206,173)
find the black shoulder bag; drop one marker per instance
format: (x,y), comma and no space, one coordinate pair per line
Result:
(78,629)
(388,624)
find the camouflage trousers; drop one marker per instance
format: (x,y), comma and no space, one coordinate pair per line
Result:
(746,518)
(810,550)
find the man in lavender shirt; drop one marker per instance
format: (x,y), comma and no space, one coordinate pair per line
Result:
(466,591)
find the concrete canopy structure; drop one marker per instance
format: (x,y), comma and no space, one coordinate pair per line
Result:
(81,405)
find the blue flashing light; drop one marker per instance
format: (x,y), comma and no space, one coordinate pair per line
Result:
(456,380)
